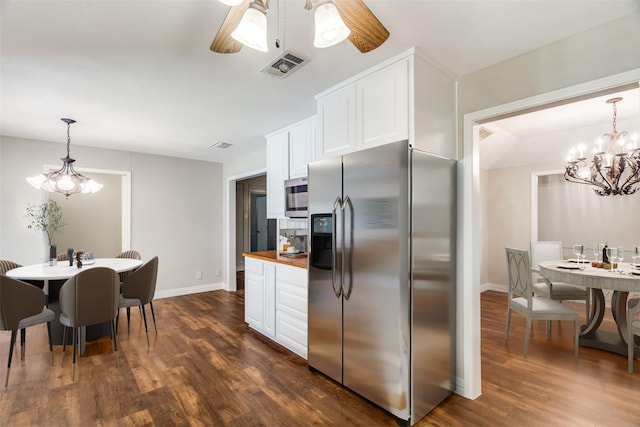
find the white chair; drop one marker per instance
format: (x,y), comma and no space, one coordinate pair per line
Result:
(633,328)
(523,301)
(552,251)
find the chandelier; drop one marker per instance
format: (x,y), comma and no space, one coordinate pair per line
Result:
(615,167)
(65,180)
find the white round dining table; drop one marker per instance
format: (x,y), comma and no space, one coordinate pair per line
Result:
(597,279)
(62,270)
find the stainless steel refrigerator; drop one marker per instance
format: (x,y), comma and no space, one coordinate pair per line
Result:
(382,276)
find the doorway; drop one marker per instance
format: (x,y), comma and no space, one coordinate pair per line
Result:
(254,231)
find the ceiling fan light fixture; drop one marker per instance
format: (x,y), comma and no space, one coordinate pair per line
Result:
(330,29)
(252,29)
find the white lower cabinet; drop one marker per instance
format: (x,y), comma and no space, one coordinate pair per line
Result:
(259,296)
(275,302)
(291,308)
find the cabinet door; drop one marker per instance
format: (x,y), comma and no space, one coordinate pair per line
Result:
(383,106)
(269,313)
(277,172)
(302,141)
(253,293)
(337,123)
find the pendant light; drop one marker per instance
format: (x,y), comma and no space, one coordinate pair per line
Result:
(65,180)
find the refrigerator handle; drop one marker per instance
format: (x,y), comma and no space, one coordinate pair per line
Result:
(334,252)
(347,292)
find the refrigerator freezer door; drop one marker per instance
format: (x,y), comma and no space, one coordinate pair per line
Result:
(376,315)
(325,300)
(433,273)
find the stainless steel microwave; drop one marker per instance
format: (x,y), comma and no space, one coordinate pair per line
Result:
(296,198)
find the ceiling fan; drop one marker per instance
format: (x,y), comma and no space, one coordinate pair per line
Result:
(366,31)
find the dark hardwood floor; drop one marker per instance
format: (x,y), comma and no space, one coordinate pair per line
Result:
(207,368)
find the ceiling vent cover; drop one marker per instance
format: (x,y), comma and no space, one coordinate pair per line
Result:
(285,65)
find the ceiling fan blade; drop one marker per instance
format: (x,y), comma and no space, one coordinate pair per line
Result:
(223,42)
(367,32)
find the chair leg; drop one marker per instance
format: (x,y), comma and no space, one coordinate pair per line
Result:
(128,320)
(23,341)
(144,316)
(11,345)
(50,342)
(547,329)
(114,341)
(506,331)
(75,343)
(526,336)
(630,345)
(575,336)
(64,344)
(154,317)
(117,319)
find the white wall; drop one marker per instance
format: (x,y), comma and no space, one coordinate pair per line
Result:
(176,209)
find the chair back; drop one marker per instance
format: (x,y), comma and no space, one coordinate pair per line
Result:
(545,251)
(129,254)
(91,296)
(518,270)
(6,265)
(62,256)
(18,300)
(141,284)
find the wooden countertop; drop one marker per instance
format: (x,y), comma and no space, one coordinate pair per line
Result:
(274,256)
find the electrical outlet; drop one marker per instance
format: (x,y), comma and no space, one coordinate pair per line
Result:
(218,273)
(198,275)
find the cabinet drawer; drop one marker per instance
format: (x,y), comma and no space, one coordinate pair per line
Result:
(291,299)
(252,266)
(293,275)
(292,333)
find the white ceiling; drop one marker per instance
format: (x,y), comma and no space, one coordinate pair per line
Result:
(139,75)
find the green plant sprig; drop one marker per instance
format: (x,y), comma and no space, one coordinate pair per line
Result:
(45,217)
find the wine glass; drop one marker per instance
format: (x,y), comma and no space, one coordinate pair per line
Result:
(578,251)
(620,258)
(597,248)
(635,253)
(612,254)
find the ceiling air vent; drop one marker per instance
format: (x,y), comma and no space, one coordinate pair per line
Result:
(485,133)
(285,65)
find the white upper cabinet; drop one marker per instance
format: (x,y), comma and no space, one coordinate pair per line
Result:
(337,123)
(277,172)
(289,151)
(404,98)
(383,106)
(302,138)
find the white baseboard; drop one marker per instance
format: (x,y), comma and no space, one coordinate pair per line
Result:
(494,287)
(189,290)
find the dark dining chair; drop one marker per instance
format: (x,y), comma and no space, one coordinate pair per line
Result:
(138,290)
(89,298)
(131,254)
(22,305)
(6,265)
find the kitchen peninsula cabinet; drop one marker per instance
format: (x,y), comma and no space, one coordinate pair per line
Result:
(289,150)
(403,98)
(276,298)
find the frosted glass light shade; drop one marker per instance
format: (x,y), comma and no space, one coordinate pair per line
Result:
(252,30)
(330,28)
(231,2)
